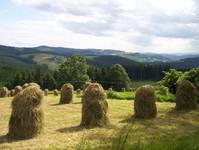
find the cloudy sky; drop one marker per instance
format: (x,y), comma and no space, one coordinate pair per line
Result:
(161,26)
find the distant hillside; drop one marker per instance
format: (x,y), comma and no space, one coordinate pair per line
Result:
(186,63)
(51,57)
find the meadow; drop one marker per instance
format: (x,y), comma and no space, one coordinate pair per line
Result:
(170,130)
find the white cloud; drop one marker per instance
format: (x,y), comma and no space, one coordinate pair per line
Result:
(120,24)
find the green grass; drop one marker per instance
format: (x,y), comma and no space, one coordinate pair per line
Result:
(62,130)
(121,95)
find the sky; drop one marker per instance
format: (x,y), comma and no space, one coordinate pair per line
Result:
(158,26)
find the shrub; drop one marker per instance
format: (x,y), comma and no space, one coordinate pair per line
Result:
(120,95)
(66,94)
(170,79)
(119,77)
(27,115)
(144,104)
(95,106)
(163,95)
(186,96)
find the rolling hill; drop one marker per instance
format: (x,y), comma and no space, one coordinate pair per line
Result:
(50,57)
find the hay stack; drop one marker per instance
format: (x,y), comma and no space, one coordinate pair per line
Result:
(18,89)
(66,94)
(144,104)
(4,92)
(56,92)
(95,106)
(78,91)
(34,84)
(25,85)
(12,92)
(46,92)
(186,96)
(31,84)
(27,116)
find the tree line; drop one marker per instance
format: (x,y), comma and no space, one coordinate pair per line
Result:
(76,71)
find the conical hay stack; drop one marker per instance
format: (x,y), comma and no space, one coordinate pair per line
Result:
(4,92)
(144,104)
(27,116)
(46,92)
(66,94)
(18,89)
(12,92)
(95,106)
(186,96)
(25,85)
(78,91)
(31,84)
(34,84)
(56,92)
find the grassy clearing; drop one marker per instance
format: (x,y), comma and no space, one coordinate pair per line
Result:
(62,129)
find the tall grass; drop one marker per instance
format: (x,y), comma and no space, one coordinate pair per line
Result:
(122,141)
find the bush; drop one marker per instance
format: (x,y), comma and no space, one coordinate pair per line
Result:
(163,95)
(120,95)
(170,79)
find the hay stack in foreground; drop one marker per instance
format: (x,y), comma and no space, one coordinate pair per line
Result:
(46,92)
(4,92)
(66,94)
(144,104)
(27,116)
(186,96)
(56,92)
(18,89)
(95,106)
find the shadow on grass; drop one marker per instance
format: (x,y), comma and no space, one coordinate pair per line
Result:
(71,129)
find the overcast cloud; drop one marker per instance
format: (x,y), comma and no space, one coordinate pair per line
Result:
(163,26)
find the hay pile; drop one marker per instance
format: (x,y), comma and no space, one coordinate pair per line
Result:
(25,85)
(31,84)
(34,84)
(12,92)
(66,94)
(56,92)
(78,91)
(4,92)
(27,116)
(46,92)
(18,89)
(186,96)
(95,106)
(144,104)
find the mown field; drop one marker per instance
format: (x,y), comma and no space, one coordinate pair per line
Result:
(62,129)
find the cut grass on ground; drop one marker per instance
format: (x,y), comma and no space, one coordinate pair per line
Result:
(62,129)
